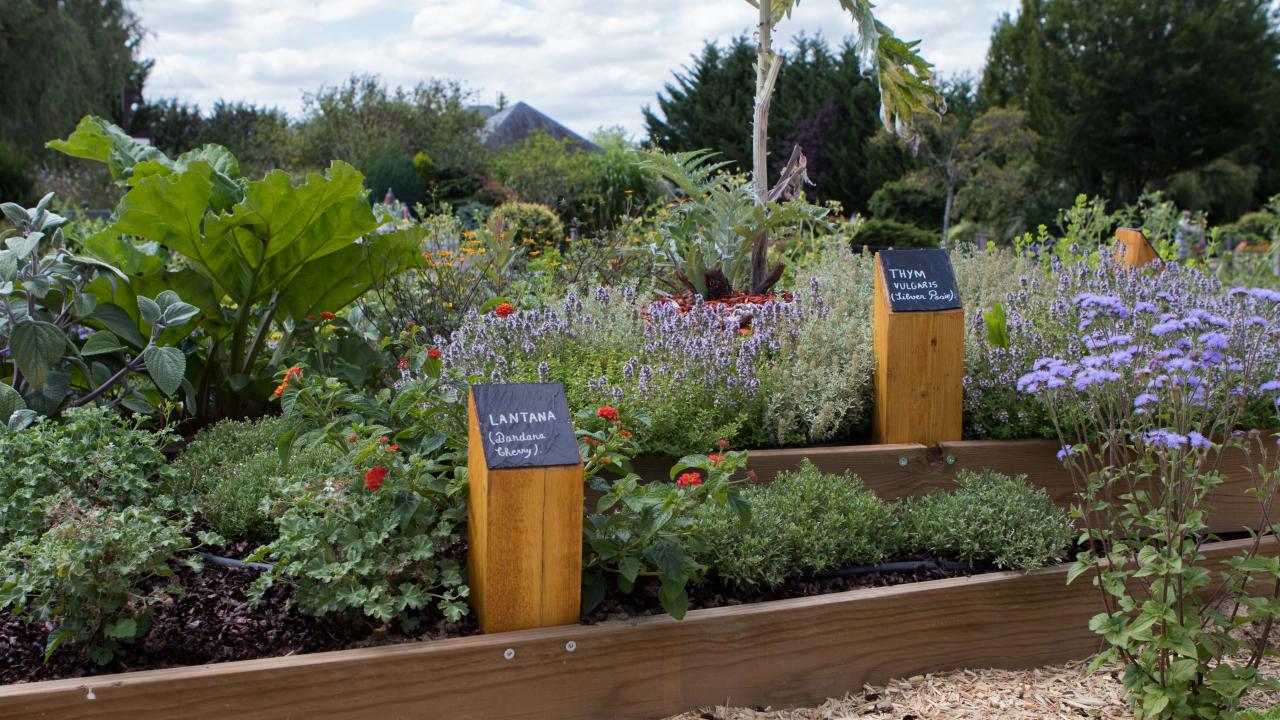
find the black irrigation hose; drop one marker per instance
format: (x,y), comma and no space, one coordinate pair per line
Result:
(233,563)
(891,567)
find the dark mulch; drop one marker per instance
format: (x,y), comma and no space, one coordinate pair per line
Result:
(211,623)
(643,600)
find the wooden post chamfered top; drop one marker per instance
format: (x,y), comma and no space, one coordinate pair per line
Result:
(1134,249)
(525,512)
(918,339)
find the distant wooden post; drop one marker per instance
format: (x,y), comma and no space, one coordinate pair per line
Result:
(1135,250)
(525,514)
(918,338)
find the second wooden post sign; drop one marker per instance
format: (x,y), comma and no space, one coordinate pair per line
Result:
(525,512)
(918,338)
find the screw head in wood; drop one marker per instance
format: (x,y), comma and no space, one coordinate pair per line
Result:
(509,653)
(902,460)
(571,646)
(951,459)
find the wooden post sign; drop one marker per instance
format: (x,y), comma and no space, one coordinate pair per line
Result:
(525,514)
(1134,250)
(918,338)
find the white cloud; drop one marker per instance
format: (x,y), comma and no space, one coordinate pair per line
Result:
(585,62)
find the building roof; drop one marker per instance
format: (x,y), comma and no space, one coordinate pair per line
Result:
(512,124)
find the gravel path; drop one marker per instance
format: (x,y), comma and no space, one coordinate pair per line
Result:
(1061,692)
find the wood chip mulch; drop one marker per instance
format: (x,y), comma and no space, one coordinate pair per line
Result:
(1060,692)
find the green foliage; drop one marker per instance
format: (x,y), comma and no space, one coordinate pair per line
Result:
(259,137)
(56,360)
(708,241)
(89,575)
(591,188)
(233,476)
(1117,112)
(379,538)
(804,521)
(15,175)
(894,234)
(989,518)
(95,44)
(822,102)
(399,174)
(908,203)
(99,457)
(253,252)
(362,120)
(650,530)
(528,223)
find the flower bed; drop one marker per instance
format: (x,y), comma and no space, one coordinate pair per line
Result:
(777,653)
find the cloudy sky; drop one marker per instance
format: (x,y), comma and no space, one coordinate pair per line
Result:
(588,63)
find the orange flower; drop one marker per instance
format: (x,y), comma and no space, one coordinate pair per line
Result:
(288,375)
(715,459)
(503,310)
(326,315)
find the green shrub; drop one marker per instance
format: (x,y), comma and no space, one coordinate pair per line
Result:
(399,174)
(231,471)
(88,574)
(1271,714)
(378,539)
(907,203)
(531,223)
(804,521)
(97,456)
(989,518)
(891,233)
(15,176)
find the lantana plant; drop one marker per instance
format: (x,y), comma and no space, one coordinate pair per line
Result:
(647,530)
(1145,405)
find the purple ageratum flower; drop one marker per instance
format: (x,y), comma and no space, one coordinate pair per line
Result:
(1144,399)
(1144,306)
(1269,386)
(1166,327)
(1066,452)
(1165,438)
(1215,340)
(1196,440)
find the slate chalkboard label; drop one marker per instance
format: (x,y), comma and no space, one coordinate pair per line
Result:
(525,425)
(919,280)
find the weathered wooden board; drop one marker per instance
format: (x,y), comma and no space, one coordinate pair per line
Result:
(788,652)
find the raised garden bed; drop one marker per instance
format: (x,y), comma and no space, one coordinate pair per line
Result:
(906,470)
(777,653)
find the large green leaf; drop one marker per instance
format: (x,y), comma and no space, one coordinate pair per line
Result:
(335,280)
(166,365)
(10,402)
(37,347)
(170,210)
(97,139)
(278,228)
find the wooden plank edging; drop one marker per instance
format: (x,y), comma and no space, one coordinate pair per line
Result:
(786,652)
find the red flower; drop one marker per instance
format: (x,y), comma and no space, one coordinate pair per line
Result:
(624,433)
(384,439)
(689,479)
(503,310)
(374,477)
(716,459)
(434,353)
(608,413)
(326,315)
(723,444)
(404,363)
(352,437)
(392,447)
(752,476)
